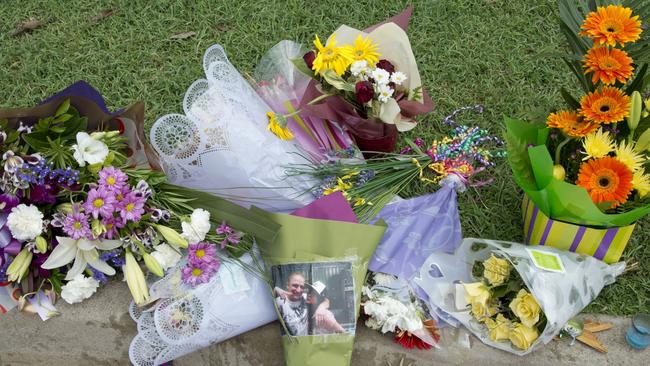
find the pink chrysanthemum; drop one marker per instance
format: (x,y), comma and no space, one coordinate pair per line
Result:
(194,274)
(100,202)
(76,225)
(112,179)
(202,252)
(131,208)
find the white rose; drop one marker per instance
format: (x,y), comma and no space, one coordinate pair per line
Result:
(359,67)
(166,256)
(25,222)
(79,289)
(199,225)
(89,150)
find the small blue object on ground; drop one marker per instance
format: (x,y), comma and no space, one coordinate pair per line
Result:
(638,335)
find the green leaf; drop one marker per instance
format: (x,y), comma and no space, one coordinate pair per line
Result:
(570,100)
(300,64)
(337,81)
(643,142)
(36,141)
(638,82)
(62,118)
(63,108)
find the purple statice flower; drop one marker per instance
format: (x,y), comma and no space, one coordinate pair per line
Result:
(114,257)
(98,275)
(131,208)
(194,274)
(76,225)
(100,202)
(202,252)
(112,179)
(231,236)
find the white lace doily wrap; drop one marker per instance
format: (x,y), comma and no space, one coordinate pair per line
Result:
(233,302)
(221,144)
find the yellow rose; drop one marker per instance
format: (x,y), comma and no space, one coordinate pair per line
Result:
(482,312)
(522,336)
(499,329)
(496,270)
(526,308)
(476,292)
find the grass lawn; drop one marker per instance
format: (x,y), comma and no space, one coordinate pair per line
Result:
(490,52)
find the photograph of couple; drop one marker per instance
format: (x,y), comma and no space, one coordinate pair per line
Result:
(315,298)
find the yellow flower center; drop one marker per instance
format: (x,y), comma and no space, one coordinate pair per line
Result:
(609,63)
(109,226)
(196,272)
(329,53)
(77,225)
(200,253)
(110,180)
(611,26)
(129,207)
(98,203)
(359,53)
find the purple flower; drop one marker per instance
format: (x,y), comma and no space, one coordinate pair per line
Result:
(131,207)
(224,229)
(43,194)
(99,276)
(194,274)
(364,91)
(111,224)
(202,252)
(231,236)
(76,226)
(8,201)
(112,179)
(100,202)
(142,190)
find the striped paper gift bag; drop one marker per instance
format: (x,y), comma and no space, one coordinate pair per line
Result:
(604,244)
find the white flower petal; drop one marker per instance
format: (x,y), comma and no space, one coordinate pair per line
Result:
(102,267)
(85,244)
(78,266)
(63,254)
(108,244)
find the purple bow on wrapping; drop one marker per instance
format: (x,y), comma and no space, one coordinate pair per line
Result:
(8,245)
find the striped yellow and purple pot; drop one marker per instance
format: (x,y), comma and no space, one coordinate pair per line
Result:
(604,244)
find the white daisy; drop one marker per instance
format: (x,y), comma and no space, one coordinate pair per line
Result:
(398,77)
(384,93)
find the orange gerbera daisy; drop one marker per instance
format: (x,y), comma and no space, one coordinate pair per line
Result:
(606,179)
(605,105)
(612,24)
(608,65)
(570,123)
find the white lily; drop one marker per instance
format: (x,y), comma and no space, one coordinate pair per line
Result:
(83,252)
(89,150)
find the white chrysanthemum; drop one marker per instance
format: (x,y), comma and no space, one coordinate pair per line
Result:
(373,324)
(89,150)
(359,67)
(166,256)
(380,76)
(25,222)
(383,279)
(384,93)
(199,225)
(79,289)
(398,77)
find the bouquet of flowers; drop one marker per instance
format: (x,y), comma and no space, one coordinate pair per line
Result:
(585,169)
(371,185)
(389,306)
(74,212)
(368,81)
(511,296)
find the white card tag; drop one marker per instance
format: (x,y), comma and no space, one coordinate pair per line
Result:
(546,260)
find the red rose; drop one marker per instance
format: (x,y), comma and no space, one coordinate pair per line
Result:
(309,58)
(364,91)
(385,65)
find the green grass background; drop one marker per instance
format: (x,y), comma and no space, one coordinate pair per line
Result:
(492,52)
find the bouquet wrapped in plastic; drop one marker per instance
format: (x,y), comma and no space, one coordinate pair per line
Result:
(222,145)
(583,171)
(518,297)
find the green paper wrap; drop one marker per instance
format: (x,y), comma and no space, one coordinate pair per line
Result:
(532,167)
(303,240)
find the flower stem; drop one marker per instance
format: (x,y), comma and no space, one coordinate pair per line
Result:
(558,151)
(313,101)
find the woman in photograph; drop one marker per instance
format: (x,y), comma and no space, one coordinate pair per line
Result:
(323,320)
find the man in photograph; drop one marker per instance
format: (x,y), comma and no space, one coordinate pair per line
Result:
(293,305)
(323,320)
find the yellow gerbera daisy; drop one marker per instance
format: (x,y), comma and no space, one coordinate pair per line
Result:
(330,57)
(641,182)
(283,132)
(626,154)
(365,49)
(597,145)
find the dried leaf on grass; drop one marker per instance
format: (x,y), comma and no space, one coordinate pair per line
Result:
(27,26)
(103,15)
(183,35)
